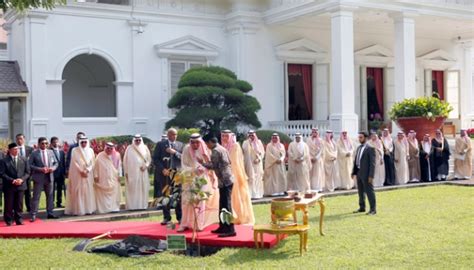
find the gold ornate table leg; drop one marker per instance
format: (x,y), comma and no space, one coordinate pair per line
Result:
(306,241)
(305,215)
(322,208)
(255,238)
(301,243)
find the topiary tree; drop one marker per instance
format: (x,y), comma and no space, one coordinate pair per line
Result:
(212,99)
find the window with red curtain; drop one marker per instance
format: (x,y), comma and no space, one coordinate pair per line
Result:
(375,94)
(437,85)
(300,78)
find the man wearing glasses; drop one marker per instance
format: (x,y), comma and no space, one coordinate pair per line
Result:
(43,163)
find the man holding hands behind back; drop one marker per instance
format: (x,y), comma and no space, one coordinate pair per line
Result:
(363,170)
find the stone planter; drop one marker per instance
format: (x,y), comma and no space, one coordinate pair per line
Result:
(421,125)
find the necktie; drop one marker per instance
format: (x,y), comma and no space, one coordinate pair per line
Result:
(16,163)
(359,155)
(22,152)
(45,160)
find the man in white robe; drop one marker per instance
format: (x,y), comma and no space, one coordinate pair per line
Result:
(401,157)
(379,174)
(387,144)
(275,173)
(345,162)
(136,161)
(463,156)
(316,152)
(299,165)
(330,165)
(107,171)
(80,199)
(253,159)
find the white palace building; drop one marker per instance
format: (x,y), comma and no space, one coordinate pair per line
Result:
(109,67)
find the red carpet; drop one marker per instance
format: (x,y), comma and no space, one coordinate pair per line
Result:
(123,229)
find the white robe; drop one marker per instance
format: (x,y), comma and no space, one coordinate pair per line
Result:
(107,184)
(401,162)
(463,158)
(80,199)
(379,174)
(299,165)
(275,174)
(253,160)
(345,164)
(330,166)
(136,161)
(316,152)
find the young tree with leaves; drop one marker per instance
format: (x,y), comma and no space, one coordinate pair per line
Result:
(212,99)
(22,5)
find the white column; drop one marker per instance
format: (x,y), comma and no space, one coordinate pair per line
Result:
(343,115)
(405,66)
(467,89)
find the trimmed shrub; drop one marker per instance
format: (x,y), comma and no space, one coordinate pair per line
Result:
(266,136)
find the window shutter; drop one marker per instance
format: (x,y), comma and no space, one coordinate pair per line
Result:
(177,70)
(452,93)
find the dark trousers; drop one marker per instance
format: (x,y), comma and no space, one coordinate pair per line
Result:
(389,170)
(28,195)
(225,201)
(60,188)
(364,187)
(158,184)
(38,187)
(177,210)
(13,206)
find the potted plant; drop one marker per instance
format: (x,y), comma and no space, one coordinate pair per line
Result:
(424,115)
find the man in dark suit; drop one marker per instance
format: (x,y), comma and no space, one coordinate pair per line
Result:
(60,172)
(25,151)
(69,152)
(43,163)
(363,170)
(2,156)
(167,155)
(14,170)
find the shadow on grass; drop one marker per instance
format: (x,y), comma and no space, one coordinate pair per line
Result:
(315,217)
(279,252)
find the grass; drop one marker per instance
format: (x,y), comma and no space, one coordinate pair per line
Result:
(429,227)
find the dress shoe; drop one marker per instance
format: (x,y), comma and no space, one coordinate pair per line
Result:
(218,230)
(372,213)
(20,222)
(9,223)
(359,211)
(59,205)
(33,218)
(52,217)
(182,229)
(165,222)
(227,234)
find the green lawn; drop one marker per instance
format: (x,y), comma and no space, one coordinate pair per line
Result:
(429,227)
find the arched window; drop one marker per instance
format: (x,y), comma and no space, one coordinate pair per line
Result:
(89,89)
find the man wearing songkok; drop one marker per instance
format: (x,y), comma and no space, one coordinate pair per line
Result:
(345,150)
(253,158)
(330,165)
(107,172)
(316,152)
(401,157)
(80,199)
(299,165)
(441,156)
(388,158)
(463,156)
(274,178)
(241,202)
(136,161)
(379,174)
(207,212)
(426,159)
(14,170)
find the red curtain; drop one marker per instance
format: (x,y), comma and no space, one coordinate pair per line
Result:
(306,72)
(438,82)
(377,74)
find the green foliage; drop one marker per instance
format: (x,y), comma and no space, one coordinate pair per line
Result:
(185,133)
(429,107)
(121,139)
(4,145)
(266,136)
(23,5)
(212,98)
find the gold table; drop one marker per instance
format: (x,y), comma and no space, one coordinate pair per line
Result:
(304,204)
(301,230)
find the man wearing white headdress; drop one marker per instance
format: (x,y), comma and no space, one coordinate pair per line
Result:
(345,162)
(107,172)
(274,179)
(387,143)
(401,157)
(207,212)
(379,174)
(299,165)
(330,165)
(414,160)
(316,152)
(463,156)
(253,158)
(80,199)
(136,161)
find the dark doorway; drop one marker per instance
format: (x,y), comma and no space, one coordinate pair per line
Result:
(300,92)
(375,108)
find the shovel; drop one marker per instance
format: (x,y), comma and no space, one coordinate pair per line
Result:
(84,243)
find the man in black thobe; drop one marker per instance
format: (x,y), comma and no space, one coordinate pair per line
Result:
(426,159)
(441,156)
